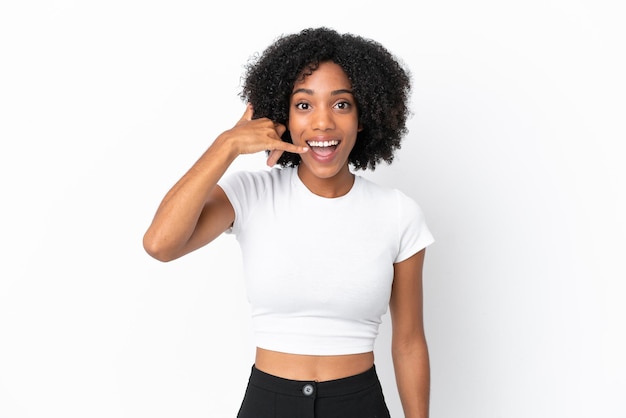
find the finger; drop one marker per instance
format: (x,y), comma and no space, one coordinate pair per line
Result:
(280,129)
(273,157)
(287,147)
(247,115)
(280,147)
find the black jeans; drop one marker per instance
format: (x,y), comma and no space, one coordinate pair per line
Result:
(269,396)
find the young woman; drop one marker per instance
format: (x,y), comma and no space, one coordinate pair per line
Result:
(325,251)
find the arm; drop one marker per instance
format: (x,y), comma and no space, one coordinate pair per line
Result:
(408,346)
(194,212)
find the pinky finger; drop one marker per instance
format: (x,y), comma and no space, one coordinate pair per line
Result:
(274,156)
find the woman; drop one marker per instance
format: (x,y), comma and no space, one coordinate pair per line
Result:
(325,251)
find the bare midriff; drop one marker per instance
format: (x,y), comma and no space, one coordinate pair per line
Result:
(316,368)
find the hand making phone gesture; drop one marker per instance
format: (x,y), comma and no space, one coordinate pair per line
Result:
(194,212)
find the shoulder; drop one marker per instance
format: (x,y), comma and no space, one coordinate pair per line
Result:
(257,180)
(386,194)
(249,190)
(395,203)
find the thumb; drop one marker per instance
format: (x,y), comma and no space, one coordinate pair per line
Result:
(247,115)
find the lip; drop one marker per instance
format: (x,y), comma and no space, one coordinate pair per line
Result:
(323,158)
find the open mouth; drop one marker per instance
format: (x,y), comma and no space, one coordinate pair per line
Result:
(323,148)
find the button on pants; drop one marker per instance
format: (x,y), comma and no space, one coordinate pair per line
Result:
(358,396)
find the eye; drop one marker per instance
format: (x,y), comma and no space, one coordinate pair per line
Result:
(343,105)
(302,106)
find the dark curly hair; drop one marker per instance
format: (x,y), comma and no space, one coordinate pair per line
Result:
(380,84)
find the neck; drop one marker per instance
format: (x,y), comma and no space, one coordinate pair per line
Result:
(330,187)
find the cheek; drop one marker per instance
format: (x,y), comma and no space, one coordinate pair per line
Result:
(294,126)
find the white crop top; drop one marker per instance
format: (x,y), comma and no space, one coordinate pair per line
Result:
(318,271)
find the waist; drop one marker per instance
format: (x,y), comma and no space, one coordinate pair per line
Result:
(312,368)
(306,388)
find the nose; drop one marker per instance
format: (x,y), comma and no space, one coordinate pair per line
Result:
(323,119)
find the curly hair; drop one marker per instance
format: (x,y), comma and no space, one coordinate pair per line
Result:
(380,85)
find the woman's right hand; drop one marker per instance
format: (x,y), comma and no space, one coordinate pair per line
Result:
(249,136)
(194,211)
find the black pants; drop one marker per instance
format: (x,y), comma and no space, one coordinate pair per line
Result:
(269,396)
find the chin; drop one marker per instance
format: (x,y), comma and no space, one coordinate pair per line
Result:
(327,172)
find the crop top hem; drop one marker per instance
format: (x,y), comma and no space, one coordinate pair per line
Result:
(315,350)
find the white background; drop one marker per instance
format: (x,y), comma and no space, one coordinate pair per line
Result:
(514,153)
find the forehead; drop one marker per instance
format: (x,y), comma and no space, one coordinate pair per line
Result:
(326,74)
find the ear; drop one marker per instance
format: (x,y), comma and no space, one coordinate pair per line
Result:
(360,128)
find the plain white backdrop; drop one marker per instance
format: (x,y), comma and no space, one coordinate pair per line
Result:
(515,153)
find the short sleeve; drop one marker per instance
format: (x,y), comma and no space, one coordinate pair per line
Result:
(414,234)
(243,189)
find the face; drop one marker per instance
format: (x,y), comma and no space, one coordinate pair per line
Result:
(323,116)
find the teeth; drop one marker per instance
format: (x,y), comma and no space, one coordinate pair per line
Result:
(323,143)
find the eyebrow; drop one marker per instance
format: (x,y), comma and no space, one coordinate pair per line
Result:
(332,93)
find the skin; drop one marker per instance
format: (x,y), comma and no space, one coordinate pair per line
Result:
(196,211)
(322,108)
